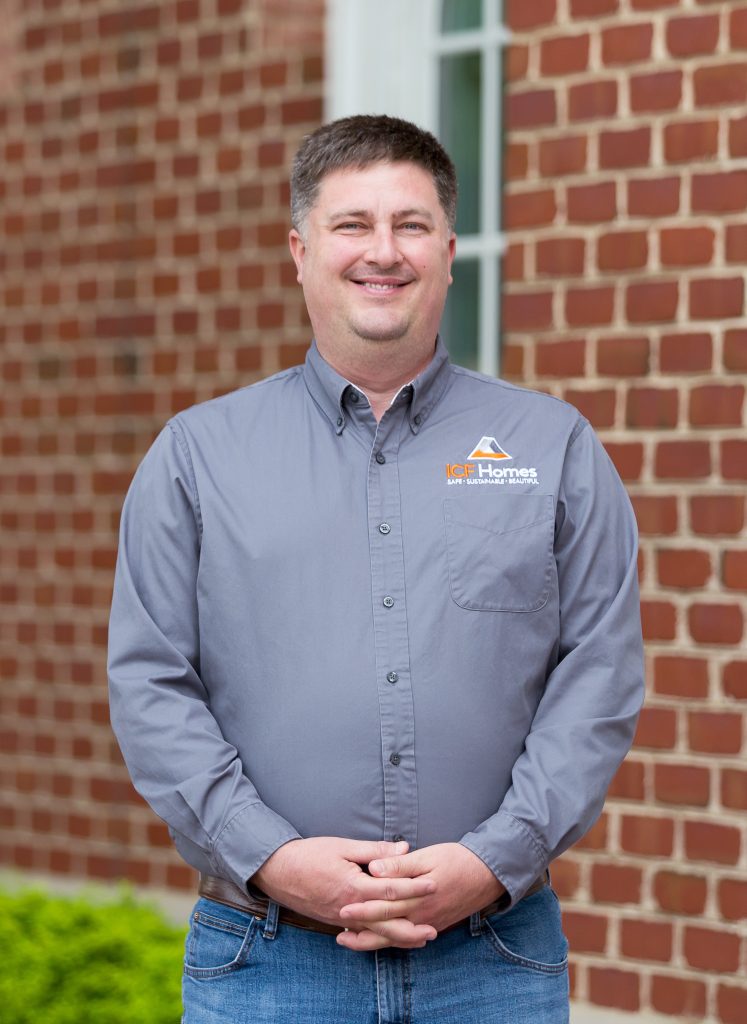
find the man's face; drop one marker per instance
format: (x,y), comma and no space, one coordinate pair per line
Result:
(375,256)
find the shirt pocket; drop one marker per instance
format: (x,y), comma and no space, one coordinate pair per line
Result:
(500,551)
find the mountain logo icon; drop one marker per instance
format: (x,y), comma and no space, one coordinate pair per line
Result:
(488,448)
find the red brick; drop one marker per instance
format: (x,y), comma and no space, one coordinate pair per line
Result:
(715,623)
(684,247)
(715,732)
(566,155)
(515,161)
(738,136)
(560,358)
(623,356)
(657,197)
(627,457)
(717,405)
(513,262)
(684,998)
(659,620)
(652,5)
(516,62)
(732,1004)
(622,250)
(685,353)
(628,147)
(720,192)
(609,986)
(709,950)
(655,91)
(615,883)
(564,55)
(732,899)
(597,406)
(682,460)
(587,933)
(560,256)
(684,784)
(734,570)
(646,940)
(652,408)
(714,298)
(735,350)
(689,36)
(686,569)
(736,243)
(656,515)
(734,460)
(627,44)
(678,676)
(720,84)
(717,514)
(651,302)
(738,28)
(530,109)
(527,311)
(592,204)
(686,141)
(678,893)
(597,836)
(657,729)
(734,788)
(566,877)
(528,209)
(585,307)
(590,100)
(521,17)
(735,680)
(592,8)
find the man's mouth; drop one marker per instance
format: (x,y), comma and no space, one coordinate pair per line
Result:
(380,287)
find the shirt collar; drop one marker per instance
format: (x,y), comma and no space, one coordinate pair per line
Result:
(327,387)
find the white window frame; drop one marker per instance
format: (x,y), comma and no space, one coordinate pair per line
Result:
(383,57)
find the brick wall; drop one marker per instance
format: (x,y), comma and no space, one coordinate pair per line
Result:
(143,267)
(626,208)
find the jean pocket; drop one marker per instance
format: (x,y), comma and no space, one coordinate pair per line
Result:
(499,549)
(530,935)
(218,943)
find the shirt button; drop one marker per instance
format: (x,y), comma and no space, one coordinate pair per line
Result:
(339,421)
(353,396)
(380,458)
(392,677)
(395,759)
(388,602)
(385,528)
(398,839)
(417,420)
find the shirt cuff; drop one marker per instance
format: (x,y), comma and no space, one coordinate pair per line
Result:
(511,852)
(249,838)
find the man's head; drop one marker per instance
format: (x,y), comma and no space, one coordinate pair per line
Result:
(358,142)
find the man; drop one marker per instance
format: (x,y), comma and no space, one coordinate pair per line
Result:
(375,644)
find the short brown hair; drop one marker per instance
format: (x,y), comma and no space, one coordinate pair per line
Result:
(362,140)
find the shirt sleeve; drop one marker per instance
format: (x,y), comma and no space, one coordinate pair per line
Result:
(585,721)
(173,747)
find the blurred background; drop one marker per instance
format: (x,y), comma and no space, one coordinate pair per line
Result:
(601,147)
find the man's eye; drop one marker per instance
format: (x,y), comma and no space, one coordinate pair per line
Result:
(412,226)
(350,226)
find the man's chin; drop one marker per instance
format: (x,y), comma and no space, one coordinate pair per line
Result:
(381,332)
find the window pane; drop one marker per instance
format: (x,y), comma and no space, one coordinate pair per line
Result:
(460,320)
(460,132)
(459,14)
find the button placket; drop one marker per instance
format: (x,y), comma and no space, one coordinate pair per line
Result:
(390,629)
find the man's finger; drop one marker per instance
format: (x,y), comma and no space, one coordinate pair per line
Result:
(368,888)
(398,866)
(378,910)
(400,932)
(363,851)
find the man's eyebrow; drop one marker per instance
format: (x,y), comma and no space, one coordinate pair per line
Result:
(414,211)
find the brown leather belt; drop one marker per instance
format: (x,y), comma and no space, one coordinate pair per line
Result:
(222,891)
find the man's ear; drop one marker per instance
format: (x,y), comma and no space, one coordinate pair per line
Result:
(452,254)
(298,251)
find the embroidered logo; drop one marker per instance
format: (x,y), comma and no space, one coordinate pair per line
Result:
(488,448)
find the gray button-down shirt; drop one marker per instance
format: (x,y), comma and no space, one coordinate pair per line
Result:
(425,628)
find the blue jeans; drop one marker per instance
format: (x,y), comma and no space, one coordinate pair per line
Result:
(509,969)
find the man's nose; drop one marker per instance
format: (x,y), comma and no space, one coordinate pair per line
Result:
(383,249)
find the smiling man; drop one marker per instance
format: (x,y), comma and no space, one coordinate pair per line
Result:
(375,645)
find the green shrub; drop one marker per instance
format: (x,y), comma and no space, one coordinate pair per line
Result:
(87,961)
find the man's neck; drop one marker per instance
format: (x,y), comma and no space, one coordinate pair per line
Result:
(379,377)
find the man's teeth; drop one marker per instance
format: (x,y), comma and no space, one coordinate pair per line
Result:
(380,287)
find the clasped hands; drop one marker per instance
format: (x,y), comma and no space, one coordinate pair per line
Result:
(404,900)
